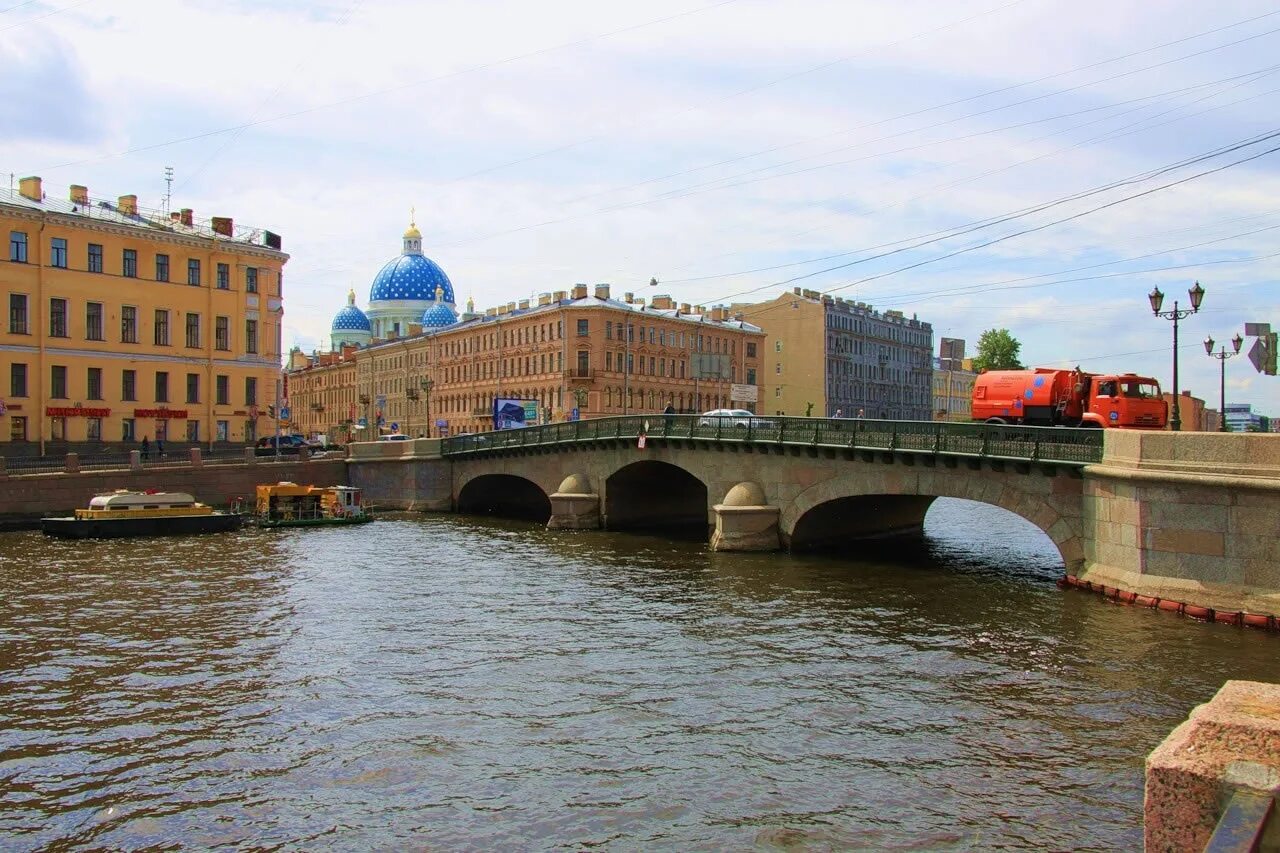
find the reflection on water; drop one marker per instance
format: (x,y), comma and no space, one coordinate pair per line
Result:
(445,682)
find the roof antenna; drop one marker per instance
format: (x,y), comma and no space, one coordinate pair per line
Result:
(168,191)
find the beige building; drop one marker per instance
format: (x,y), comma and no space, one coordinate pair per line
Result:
(953,390)
(582,350)
(126,323)
(828,356)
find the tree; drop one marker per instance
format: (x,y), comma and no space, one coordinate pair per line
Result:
(997,350)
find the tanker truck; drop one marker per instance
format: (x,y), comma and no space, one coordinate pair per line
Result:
(1045,396)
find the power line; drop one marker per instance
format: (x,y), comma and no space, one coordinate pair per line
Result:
(39,17)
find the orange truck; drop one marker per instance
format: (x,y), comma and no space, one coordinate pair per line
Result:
(1046,396)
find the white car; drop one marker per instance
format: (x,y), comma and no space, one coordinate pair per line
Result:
(395,436)
(739,418)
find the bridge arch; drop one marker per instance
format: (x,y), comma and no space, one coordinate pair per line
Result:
(506,496)
(651,494)
(849,501)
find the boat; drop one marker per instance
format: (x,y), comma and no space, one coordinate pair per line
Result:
(287,504)
(123,513)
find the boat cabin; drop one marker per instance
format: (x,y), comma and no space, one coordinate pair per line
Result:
(151,503)
(291,502)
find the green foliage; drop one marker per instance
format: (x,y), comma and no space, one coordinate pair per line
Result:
(808,410)
(997,350)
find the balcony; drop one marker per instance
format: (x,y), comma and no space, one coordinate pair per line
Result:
(580,373)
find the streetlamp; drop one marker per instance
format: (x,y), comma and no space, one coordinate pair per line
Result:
(426,385)
(1157,299)
(1222,355)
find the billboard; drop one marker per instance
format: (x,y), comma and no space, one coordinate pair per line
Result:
(744,393)
(509,413)
(709,365)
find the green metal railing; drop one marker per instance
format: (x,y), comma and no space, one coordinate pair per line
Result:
(1059,445)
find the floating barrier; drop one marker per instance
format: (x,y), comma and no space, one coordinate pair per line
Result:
(1239,618)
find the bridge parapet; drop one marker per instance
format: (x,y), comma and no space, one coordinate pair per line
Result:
(1057,445)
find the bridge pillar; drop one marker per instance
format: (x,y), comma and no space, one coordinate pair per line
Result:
(744,522)
(574,506)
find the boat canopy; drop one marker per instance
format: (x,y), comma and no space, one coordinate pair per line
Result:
(138,500)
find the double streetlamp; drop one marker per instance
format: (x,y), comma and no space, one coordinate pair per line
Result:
(1222,355)
(1157,299)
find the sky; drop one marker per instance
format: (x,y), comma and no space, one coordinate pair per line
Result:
(1035,165)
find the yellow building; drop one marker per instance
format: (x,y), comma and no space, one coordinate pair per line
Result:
(831,357)
(953,389)
(581,349)
(127,324)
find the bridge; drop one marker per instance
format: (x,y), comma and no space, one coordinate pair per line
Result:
(1189,518)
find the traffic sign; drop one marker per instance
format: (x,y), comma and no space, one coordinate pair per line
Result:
(284,413)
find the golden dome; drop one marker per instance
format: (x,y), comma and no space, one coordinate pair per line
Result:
(412,233)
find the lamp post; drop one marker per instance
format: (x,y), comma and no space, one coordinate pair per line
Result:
(426,385)
(1157,299)
(1222,355)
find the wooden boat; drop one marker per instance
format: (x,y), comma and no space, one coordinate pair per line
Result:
(122,513)
(291,505)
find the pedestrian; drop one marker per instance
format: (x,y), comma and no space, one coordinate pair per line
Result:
(860,414)
(146,448)
(159,448)
(669,415)
(839,413)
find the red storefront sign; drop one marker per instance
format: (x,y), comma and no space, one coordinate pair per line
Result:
(72,412)
(160,413)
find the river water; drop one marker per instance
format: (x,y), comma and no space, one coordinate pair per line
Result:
(439,682)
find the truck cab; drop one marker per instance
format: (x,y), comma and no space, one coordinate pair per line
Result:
(1125,400)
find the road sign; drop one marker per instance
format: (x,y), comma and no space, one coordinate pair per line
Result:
(284,413)
(1258,355)
(1257,330)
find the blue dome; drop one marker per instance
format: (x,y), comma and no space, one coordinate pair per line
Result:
(351,319)
(410,276)
(438,316)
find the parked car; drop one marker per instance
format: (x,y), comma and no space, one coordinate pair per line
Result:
(739,418)
(395,436)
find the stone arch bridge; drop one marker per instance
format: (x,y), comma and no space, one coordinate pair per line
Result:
(1191,516)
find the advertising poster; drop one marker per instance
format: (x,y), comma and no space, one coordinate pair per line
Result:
(512,413)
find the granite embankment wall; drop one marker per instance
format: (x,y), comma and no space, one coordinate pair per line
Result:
(30,496)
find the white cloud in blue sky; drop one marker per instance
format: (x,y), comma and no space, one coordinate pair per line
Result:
(732,136)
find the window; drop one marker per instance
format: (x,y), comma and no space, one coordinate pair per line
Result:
(18,246)
(777,346)
(57,318)
(751,349)
(128,324)
(222,333)
(93,429)
(162,386)
(193,330)
(251,336)
(94,384)
(17,380)
(224,277)
(129,263)
(193,431)
(193,271)
(95,257)
(222,430)
(93,321)
(162,327)
(193,387)
(777,368)
(608,331)
(751,376)
(582,328)
(222,390)
(58,428)
(127,431)
(250,391)
(584,362)
(58,252)
(162,267)
(129,385)
(250,279)
(608,358)
(58,382)
(17,313)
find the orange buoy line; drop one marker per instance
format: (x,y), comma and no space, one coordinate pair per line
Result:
(1195,611)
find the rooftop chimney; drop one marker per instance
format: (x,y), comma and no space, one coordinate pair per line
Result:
(579,291)
(223,225)
(544,299)
(187,216)
(524,304)
(602,291)
(30,188)
(127,205)
(685,308)
(79,194)
(662,300)
(628,298)
(560,295)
